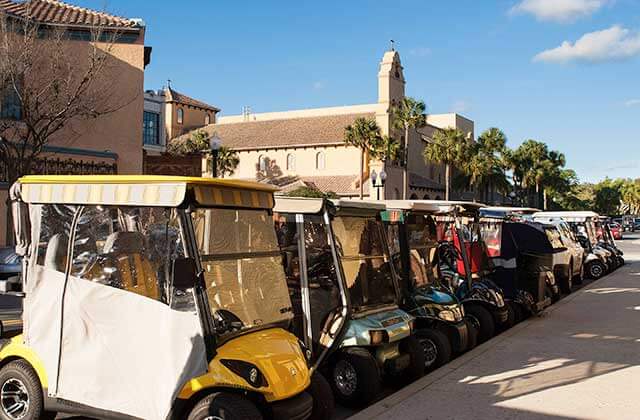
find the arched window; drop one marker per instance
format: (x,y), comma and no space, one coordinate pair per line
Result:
(438,197)
(426,197)
(180,115)
(414,196)
(207,119)
(396,194)
(320,161)
(291,162)
(262,163)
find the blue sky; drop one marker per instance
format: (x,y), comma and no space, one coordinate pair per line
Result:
(501,63)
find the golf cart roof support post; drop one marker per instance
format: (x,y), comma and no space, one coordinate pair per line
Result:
(463,249)
(202,303)
(304,283)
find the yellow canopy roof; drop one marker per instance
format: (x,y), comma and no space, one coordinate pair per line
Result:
(144,190)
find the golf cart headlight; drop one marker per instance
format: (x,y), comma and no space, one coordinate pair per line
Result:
(378,337)
(447,315)
(246,371)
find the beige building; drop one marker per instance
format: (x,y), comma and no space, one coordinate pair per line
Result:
(111,142)
(306,147)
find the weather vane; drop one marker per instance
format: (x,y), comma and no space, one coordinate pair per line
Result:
(393,46)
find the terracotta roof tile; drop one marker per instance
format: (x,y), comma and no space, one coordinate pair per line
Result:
(57,12)
(251,135)
(173,96)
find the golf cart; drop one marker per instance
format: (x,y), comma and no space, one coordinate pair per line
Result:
(345,295)
(520,259)
(461,261)
(151,297)
(608,242)
(583,224)
(441,326)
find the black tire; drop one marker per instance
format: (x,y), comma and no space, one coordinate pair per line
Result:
(621,261)
(223,405)
(596,269)
(484,319)
(20,376)
(511,317)
(435,347)
(417,368)
(520,313)
(367,382)
(473,334)
(324,405)
(579,278)
(567,283)
(548,292)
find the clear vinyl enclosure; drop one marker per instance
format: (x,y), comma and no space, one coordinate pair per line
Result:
(242,263)
(367,270)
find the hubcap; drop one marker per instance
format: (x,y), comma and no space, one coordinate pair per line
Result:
(474,321)
(430,352)
(14,399)
(596,270)
(345,377)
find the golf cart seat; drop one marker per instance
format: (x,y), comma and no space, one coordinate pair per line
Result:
(136,272)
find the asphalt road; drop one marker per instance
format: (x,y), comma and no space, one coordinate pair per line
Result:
(580,360)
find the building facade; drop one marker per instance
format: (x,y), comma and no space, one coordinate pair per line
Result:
(184,114)
(306,147)
(109,143)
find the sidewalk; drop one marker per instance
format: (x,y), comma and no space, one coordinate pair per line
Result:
(581,360)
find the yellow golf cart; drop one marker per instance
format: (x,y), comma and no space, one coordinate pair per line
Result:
(150,297)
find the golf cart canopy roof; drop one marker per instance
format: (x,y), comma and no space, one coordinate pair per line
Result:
(142,190)
(502,211)
(567,216)
(417,205)
(299,205)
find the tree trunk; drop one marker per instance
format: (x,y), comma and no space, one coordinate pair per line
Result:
(405,172)
(544,202)
(361,174)
(447,181)
(537,197)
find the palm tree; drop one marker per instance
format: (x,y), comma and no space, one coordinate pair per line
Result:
(228,161)
(410,113)
(364,134)
(484,168)
(448,147)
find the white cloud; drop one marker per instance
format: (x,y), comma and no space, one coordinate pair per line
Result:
(632,102)
(615,43)
(558,10)
(420,51)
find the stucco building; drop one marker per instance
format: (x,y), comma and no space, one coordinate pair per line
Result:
(306,147)
(184,114)
(109,143)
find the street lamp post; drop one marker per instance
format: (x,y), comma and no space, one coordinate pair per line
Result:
(382,178)
(214,143)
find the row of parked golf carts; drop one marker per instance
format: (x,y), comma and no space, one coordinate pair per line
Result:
(170,297)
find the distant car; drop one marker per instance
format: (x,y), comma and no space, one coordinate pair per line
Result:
(616,230)
(10,263)
(637,224)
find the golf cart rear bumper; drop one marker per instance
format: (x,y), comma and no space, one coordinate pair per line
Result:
(294,408)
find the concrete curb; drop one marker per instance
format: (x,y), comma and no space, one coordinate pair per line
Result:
(378,409)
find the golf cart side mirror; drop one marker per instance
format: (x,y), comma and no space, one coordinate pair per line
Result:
(184,272)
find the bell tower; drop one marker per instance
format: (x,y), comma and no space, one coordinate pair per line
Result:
(390,79)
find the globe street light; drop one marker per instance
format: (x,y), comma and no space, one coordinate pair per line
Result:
(214,143)
(374,178)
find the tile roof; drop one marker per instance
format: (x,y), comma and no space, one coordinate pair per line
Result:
(418,181)
(177,97)
(303,131)
(57,12)
(343,185)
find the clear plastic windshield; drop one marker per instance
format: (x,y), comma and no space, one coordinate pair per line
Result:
(243,270)
(368,271)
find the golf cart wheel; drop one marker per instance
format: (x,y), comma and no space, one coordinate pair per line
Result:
(473,334)
(223,405)
(579,278)
(596,270)
(21,393)
(567,283)
(483,318)
(324,405)
(355,377)
(548,292)
(435,347)
(621,261)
